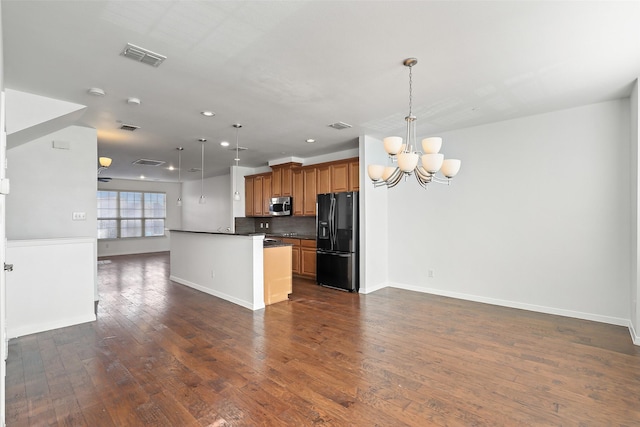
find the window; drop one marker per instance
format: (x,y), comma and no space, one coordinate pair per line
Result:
(123,214)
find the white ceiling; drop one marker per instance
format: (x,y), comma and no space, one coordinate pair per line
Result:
(286,70)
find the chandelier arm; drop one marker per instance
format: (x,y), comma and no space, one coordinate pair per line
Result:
(446,181)
(395,178)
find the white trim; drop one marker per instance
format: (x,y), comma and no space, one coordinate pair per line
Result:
(49,242)
(222,295)
(48,326)
(368,289)
(634,336)
(514,304)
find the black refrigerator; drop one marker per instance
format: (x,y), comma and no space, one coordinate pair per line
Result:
(337,241)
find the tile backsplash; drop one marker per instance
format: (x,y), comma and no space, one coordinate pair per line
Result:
(276,225)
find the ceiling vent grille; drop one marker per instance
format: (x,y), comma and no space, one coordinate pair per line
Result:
(140,54)
(147,162)
(130,128)
(340,125)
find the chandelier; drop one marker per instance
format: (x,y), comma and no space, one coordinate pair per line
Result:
(407,156)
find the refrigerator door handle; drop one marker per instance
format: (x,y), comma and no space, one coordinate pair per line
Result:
(337,254)
(332,232)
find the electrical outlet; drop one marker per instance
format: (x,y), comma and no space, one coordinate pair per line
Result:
(261,225)
(266,225)
(430,273)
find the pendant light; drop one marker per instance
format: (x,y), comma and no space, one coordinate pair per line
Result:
(407,158)
(236,193)
(179,201)
(203,199)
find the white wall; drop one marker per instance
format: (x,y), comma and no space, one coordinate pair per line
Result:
(538,218)
(215,214)
(227,266)
(48,287)
(374,220)
(635,222)
(48,185)
(110,247)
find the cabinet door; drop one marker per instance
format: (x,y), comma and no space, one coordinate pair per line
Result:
(295,254)
(276,182)
(266,194)
(354,175)
(287,181)
(323,176)
(308,258)
(297,181)
(310,191)
(257,196)
(248,196)
(340,177)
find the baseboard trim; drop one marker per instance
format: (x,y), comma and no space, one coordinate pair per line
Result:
(634,335)
(368,289)
(48,326)
(514,304)
(226,297)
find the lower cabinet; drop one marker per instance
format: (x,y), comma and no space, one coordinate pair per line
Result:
(308,258)
(303,257)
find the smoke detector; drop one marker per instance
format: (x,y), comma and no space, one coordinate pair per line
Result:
(143,55)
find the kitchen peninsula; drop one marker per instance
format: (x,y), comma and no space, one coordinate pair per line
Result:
(228,266)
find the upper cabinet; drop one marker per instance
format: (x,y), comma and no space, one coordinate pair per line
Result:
(340,177)
(302,184)
(310,191)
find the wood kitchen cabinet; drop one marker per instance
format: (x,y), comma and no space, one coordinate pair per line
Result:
(308,258)
(257,196)
(310,191)
(339,177)
(303,257)
(266,194)
(261,194)
(248,196)
(354,175)
(282,184)
(276,181)
(295,254)
(297,181)
(323,176)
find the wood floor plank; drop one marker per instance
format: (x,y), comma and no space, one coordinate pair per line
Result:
(167,355)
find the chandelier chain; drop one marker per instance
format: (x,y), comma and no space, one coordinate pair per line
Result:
(410,90)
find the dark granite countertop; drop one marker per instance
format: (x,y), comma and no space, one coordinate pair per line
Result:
(292,236)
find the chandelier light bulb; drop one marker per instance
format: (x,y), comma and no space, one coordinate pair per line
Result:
(392,144)
(450,167)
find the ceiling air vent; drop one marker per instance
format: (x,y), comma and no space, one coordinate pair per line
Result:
(130,128)
(340,125)
(140,54)
(147,162)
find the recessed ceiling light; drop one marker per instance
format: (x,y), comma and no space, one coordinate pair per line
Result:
(96,91)
(171,168)
(133,101)
(224,143)
(208,113)
(141,176)
(311,141)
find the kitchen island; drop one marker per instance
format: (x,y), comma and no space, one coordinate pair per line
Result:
(228,266)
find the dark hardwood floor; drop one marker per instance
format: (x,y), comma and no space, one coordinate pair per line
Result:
(162,354)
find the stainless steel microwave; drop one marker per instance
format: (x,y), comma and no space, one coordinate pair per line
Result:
(280,206)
